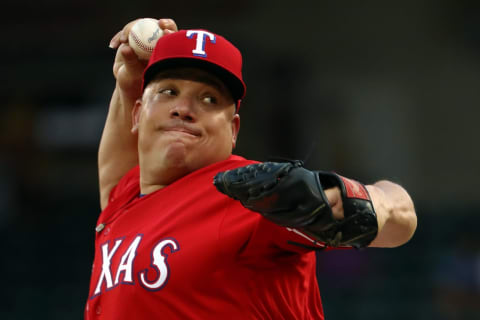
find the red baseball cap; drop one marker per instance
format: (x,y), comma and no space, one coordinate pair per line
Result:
(201,49)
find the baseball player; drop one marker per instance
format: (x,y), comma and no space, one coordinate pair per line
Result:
(189,230)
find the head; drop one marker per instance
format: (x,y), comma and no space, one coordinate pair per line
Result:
(187,117)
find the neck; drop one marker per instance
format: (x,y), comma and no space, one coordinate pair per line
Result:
(155,175)
(149,188)
(153,179)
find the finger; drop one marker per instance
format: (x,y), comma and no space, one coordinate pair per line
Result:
(131,60)
(126,31)
(124,36)
(127,52)
(115,41)
(168,24)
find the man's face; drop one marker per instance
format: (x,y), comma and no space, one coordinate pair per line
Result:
(186,120)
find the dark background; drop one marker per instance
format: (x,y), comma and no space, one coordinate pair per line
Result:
(370,89)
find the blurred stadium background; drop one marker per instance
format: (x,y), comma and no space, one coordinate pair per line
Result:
(370,89)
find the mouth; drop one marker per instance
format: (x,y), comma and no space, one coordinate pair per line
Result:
(183,130)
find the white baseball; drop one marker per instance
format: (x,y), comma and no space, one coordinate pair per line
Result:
(143,36)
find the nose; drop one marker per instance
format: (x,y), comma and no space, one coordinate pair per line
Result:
(183,109)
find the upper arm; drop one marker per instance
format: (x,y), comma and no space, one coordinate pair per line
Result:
(111,178)
(117,151)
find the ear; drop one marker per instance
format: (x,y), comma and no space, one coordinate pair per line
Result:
(137,109)
(235,129)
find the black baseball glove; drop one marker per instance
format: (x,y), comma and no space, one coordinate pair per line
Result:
(290,195)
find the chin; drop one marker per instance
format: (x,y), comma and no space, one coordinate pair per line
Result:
(175,155)
(186,158)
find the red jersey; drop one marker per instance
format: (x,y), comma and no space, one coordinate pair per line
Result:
(187,251)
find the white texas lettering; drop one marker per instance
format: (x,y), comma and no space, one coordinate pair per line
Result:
(199,50)
(159,264)
(106,273)
(126,262)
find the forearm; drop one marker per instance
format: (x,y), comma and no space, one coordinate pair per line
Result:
(118,146)
(395,211)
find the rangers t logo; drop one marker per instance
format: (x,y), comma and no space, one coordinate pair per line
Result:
(202,36)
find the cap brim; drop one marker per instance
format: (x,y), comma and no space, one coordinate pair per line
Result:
(236,87)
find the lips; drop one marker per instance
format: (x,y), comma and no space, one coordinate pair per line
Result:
(186,129)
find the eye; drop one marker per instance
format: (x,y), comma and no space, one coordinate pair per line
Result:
(169,92)
(210,99)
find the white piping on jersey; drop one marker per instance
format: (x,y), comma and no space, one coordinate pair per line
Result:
(315,242)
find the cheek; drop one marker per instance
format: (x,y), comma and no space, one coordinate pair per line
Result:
(150,113)
(220,127)
(221,138)
(151,117)
(147,127)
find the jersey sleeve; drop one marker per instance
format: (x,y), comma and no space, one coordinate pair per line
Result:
(256,235)
(279,238)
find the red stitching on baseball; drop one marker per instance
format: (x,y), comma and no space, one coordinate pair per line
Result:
(140,43)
